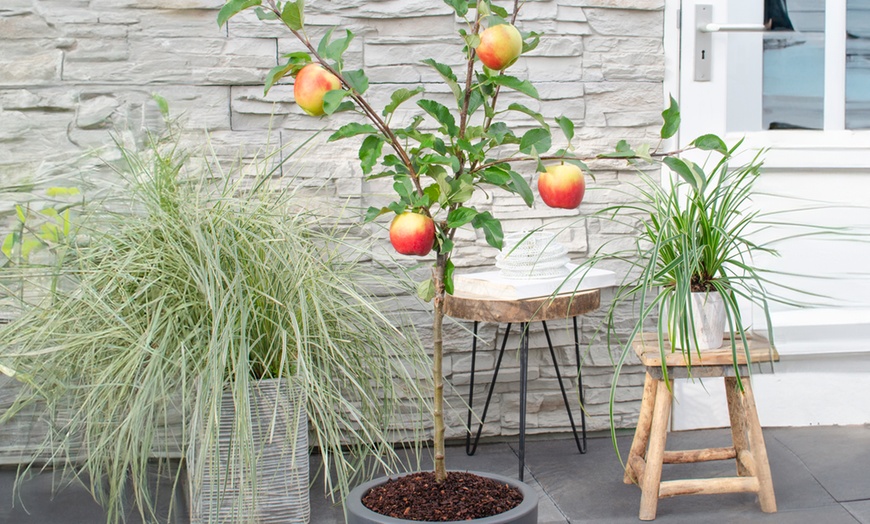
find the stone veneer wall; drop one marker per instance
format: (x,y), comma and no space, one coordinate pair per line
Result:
(70,70)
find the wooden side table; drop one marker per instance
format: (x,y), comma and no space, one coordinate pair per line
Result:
(523,311)
(647,454)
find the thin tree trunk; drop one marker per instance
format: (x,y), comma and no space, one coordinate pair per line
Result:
(437,357)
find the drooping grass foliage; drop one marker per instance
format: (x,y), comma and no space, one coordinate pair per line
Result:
(208,282)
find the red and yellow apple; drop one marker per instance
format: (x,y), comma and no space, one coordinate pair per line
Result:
(412,234)
(562,186)
(500,46)
(312,82)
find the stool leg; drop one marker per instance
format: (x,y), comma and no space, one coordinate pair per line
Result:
(580,384)
(641,433)
(471,447)
(580,447)
(766,497)
(652,476)
(737,414)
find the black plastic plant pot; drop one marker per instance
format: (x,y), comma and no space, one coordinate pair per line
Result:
(525,513)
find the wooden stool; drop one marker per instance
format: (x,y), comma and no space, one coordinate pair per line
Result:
(644,465)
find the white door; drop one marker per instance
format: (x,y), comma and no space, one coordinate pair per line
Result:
(804,95)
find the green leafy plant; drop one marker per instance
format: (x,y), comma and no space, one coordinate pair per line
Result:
(206,284)
(444,154)
(695,234)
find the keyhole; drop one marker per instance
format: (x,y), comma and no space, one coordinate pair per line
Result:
(703,54)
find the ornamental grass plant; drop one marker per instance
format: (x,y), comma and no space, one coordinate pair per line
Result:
(198,282)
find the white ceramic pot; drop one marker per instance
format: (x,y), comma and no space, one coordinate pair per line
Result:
(708,315)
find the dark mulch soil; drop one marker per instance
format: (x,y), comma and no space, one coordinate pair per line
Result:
(462,496)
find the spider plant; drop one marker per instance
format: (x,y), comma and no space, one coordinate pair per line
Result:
(695,235)
(206,283)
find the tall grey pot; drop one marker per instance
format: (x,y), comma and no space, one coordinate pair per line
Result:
(277,489)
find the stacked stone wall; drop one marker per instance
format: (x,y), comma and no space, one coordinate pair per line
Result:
(72,70)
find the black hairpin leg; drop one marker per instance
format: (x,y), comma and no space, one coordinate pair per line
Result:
(471,448)
(581,447)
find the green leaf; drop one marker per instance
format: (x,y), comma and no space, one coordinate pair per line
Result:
(62,191)
(441,114)
(335,50)
(711,143)
(399,96)
(579,163)
(449,269)
(22,214)
(294,14)
(332,99)
(500,11)
(471,40)
(324,42)
(369,152)
(643,152)
(234,7)
(448,75)
(426,290)
(352,129)
(262,14)
(537,138)
(671,117)
(498,131)
(432,192)
(460,6)
(491,229)
(276,73)
(461,190)
(623,150)
(521,187)
(162,104)
(404,188)
(686,173)
(567,126)
(9,244)
(475,101)
(347,105)
(496,175)
(461,216)
(530,41)
(523,86)
(374,212)
(534,114)
(357,80)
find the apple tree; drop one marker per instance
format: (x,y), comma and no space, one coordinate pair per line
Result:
(445,153)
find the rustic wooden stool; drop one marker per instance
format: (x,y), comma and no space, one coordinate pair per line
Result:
(522,311)
(644,465)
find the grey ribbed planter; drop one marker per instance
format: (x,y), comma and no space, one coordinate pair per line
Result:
(525,513)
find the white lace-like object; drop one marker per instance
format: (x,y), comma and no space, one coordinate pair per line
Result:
(530,256)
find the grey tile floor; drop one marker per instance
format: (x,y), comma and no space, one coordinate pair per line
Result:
(820,475)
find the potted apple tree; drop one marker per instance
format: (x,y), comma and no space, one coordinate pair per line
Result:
(437,161)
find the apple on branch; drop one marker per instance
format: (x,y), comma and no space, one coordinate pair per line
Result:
(562,186)
(412,234)
(312,83)
(500,46)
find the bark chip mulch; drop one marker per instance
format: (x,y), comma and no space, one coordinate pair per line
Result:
(463,496)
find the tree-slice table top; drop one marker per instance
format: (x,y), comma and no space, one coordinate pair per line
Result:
(647,348)
(487,309)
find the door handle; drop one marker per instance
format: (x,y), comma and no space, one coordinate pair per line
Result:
(739,28)
(704,26)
